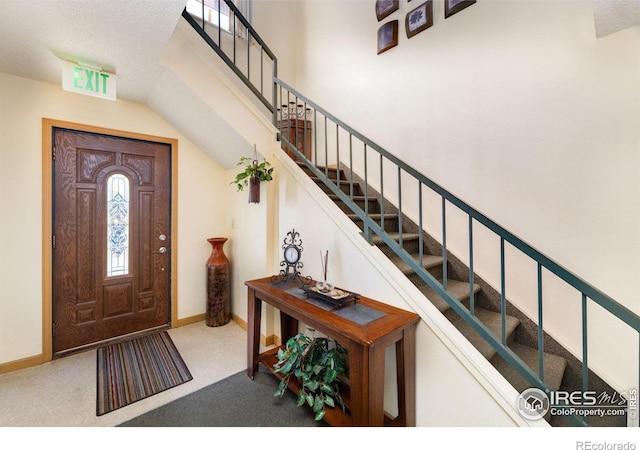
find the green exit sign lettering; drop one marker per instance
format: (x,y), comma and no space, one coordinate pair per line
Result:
(88,81)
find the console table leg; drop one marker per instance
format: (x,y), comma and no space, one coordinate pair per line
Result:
(254,315)
(366,375)
(406,374)
(288,327)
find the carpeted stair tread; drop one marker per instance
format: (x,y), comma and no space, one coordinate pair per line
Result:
(493,321)
(428,261)
(554,367)
(406,237)
(457,289)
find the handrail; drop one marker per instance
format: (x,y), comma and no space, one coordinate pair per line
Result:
(604,300)
(328,121)
(244,73)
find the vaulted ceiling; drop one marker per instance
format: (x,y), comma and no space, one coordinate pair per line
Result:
(128,37)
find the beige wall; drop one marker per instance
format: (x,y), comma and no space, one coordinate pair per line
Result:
(202,186)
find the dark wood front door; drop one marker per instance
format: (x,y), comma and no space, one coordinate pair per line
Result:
(111,226)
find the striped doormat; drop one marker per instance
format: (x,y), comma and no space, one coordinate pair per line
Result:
(132,370)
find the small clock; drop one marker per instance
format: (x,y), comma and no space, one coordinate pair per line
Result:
(291,251)
(291,254)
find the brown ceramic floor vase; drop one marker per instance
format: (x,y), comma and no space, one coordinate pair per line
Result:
(218,285)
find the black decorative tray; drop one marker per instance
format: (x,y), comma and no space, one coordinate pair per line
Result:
(337,297)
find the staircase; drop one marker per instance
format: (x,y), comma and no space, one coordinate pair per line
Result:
(505,336)
(561,369)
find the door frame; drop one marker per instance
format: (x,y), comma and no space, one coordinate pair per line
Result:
(47,219)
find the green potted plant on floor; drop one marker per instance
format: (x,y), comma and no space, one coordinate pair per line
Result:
(252,174)
(318,363)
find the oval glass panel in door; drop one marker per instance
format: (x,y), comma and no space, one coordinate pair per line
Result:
(117,225)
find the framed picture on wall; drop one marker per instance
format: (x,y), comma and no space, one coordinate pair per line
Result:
(386,7)
(419,19)
(453,6)
(387,36)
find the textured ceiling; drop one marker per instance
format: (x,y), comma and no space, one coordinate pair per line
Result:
(122,37)
(126,37)
(611,16)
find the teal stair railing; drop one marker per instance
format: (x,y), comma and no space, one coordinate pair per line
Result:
(319,139)
(336,143)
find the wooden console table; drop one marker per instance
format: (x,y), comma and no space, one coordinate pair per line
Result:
(366,343)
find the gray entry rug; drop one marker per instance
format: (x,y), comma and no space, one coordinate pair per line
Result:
(236,401)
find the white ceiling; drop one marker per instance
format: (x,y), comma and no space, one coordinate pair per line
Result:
(122,37)
(127,37)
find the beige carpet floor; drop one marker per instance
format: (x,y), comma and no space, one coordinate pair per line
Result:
(62,393)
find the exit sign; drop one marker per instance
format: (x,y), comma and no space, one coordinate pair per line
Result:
(88,81)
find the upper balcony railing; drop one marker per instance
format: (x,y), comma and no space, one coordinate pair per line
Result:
(241,48)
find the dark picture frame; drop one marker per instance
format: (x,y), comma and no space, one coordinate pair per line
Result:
(452,7)
(386,7)
(387,36)
(419,19)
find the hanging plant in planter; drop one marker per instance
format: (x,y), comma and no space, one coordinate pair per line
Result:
(317,363)
(252,175)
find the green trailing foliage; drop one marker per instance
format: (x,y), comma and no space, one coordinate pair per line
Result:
(252,169)
(317,363)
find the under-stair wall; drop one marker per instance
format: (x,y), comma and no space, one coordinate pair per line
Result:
(193,62)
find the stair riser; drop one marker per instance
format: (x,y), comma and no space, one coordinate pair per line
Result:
(374,206)
(436,272)
(390,225)
(344,187)
(411,246)
(331,173)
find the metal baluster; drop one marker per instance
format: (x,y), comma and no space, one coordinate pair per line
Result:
(444,244)
(471,293)
(338,156)
(503,296)
(326,150)
(351,166)
(367,230)
(261,69)
(248,49)
(219,28)
(540,329)
(420,230)
(585,355)
(315,136)
(400,238)
(381,163)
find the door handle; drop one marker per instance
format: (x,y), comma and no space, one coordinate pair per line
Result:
(160,250)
